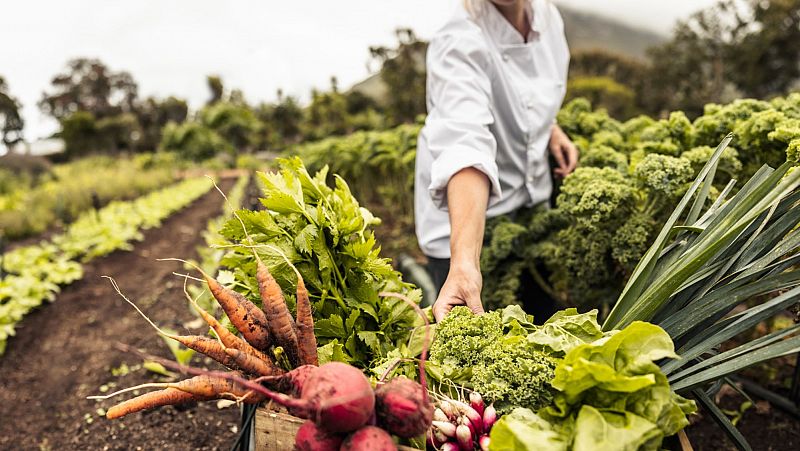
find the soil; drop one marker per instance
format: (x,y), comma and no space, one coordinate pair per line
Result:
(66,351)
(765,426)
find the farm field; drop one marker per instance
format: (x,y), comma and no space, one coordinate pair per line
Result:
(66,351)
(520,225)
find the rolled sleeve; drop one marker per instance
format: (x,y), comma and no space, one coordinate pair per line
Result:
(456,132)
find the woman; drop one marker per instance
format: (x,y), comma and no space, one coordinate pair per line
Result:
(496,79)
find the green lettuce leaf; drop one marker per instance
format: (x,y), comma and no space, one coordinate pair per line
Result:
(611,430)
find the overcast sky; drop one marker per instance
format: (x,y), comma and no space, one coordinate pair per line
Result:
(255,45)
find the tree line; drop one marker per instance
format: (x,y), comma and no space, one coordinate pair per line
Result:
(736,48)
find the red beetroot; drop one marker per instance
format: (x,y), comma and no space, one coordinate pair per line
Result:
(290,383)
(403,408)
(336,396)
(369,438)
(339,398)
(311,438)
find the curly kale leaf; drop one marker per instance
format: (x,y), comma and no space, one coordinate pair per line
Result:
(602,156)
(593,195)
(663,175)
(504,367)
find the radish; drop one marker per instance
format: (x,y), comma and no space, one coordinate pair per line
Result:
(435,438)
(484,442)
(403,408)
(476,402)
(449,446)
(369,438)
(448,409)
(311,438)
(473,415)
(465,421)
(464,437)
(446,428)
(439,415)
(489,417)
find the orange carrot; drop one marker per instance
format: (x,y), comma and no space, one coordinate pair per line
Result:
(198,388)
(212,387)
(281,324)
(228,339)
(204,345)
(166,397)
(306,340)
(250,320)
(253,364)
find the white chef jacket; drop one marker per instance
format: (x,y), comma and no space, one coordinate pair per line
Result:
(492,99)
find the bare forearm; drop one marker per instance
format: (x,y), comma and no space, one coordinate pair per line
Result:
(467,200)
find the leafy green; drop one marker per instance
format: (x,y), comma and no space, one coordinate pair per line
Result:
(523,430)
(631,176)
(609,394)
(36,273)
(328,237)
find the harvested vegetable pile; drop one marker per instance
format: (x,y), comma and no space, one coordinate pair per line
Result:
(565,383)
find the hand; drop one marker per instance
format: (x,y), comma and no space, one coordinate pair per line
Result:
(462,287)
(564,151)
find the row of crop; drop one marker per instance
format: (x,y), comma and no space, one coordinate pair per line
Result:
(34,274)
(631,175)
(30,206)
(378,165)
(210,253)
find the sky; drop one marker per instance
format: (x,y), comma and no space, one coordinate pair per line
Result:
(258,46)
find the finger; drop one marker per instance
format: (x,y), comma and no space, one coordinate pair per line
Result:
(572,154)
(441,309)
(477,308)
(439,312)
(558,154)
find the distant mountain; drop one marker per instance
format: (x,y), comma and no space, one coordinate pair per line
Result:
(591,31)
(584,31)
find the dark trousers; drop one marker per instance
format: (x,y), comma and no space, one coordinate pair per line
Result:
(535,302)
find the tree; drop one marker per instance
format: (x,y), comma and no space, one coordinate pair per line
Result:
(88,85)
(11,123)
(732,49)
(80,134)
(236,123)
(326,115)
(287,116)
(193,141)
(403,72)
(216,87)
(153,114)
(603,92)
(765,55)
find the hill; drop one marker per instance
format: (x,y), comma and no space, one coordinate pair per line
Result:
(584,31)
(591,31)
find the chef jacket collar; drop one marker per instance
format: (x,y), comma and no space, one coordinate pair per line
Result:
(505,33)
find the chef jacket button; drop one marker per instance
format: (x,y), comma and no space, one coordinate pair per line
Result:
(505,56)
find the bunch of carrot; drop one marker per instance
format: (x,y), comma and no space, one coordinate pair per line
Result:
(249,356)
(341,406)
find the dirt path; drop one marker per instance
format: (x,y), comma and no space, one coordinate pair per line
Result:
(65,351)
